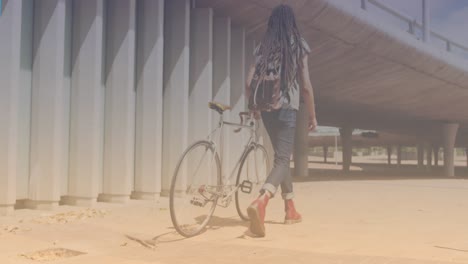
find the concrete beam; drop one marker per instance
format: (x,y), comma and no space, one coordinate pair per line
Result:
(222,76)
(119,139)
(346,139)
(449,137)
(176,86)
(10,55)
(87,103)
(149,101)
(50,105)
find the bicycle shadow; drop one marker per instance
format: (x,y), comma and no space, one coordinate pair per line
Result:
(215,223)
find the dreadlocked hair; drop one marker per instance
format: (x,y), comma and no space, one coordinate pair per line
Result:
(282,41)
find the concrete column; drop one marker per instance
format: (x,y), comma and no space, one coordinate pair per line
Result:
(429,157)
(399,156)
(65,140)
(119,124)
(176,86)
(346,134)
(420,154)
(25,84)
(50,105)
(10,57)
(389,155)
(436,155)
(325,154)
(149,101)
(201,73)
(222,75)
(87,103)
(301,146)
(237,95)
(466,155)
(449,137)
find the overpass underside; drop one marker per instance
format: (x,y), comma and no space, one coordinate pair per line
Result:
(99,98)
(370,75)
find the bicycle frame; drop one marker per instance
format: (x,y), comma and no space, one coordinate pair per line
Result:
(252,126)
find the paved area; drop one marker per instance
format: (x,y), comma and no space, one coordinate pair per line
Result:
(374,219)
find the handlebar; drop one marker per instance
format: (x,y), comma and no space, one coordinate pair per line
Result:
(248,115)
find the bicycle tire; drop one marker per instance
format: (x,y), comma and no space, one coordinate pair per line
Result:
(176,220)
(243,202)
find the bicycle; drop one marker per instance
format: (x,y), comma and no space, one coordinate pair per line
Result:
(198,185)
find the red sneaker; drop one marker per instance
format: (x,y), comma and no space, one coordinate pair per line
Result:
(256,212)
(292,216)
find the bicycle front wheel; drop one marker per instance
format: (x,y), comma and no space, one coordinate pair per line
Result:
(252,174)
(195,188)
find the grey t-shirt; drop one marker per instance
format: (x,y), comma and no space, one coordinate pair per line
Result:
(293,99)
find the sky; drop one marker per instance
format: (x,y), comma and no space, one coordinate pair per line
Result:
(449,17)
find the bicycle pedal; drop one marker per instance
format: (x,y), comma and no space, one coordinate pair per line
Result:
(246,187)
(197,202)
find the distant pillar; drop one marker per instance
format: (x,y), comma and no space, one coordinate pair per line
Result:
(50,105)
(466,156)
(346,134)
(325,154)
(10,54)
(429,157)
(420,155)
(119,139)
(149,99)
(389,155)
(436,149)
(301,148)
(176,86)
(222,76)
(87,103)
(449,137)
(399,156)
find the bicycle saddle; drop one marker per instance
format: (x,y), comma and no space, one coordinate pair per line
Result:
(220,108)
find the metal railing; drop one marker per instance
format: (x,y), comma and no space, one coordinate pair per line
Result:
(413,24)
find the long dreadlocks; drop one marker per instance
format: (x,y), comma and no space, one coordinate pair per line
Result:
(282,41)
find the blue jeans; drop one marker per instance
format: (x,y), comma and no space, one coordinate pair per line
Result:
(281,128)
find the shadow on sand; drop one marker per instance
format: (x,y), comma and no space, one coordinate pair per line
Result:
(215,223)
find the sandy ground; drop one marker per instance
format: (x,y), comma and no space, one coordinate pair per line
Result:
(373,215)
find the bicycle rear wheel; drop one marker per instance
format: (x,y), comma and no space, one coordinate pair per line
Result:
(253,172)
(194,188)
